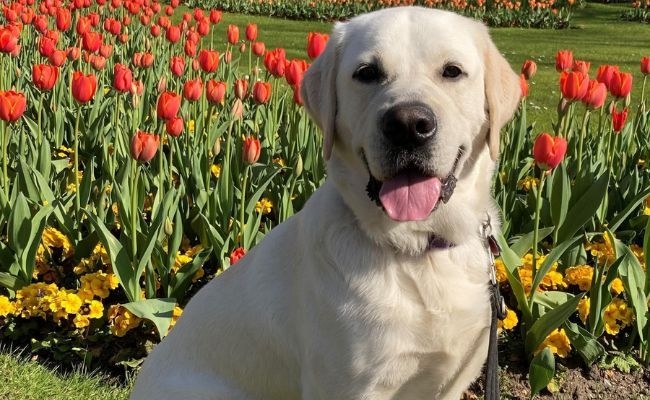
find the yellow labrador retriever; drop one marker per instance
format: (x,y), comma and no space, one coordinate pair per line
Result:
(378,288)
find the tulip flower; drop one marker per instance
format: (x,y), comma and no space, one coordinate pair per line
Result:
(122,78)
(605,73)
(523,84)
(58,57)
(548,151)
(144,146)
(83,25)
(563,60)
(236,255)
(40,23)
(275,62)
(155,30)
(241,88)
(261,92)
(106,50)
(316,43)
(620,84)
(581,66)
(177,65)
(297,98)
(63,19)
(147,60)
(192,89)
(529,69)
(91,41)
(618,119)
(83,86)
(209,60)
(233,34)
(573,85)
(174,126)
(12,105)
(168,105)
(46,46)
(215,91)
(251,32)
(258,48)
(44,76)
(97,62)
(645,65)
(295,71)
(215,16)
(173,34)
(251,150)
(596,95)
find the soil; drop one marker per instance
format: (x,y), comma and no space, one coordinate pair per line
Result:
(573,381)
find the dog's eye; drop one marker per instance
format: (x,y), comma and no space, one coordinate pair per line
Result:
(367,73)
(451,71)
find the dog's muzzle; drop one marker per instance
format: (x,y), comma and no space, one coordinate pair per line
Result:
(411,194)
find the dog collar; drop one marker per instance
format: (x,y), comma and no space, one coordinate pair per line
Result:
(439,243)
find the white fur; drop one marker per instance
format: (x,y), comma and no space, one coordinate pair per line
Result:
(340,302)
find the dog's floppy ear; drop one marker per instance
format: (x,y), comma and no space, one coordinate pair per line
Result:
(502,92)
(318,89)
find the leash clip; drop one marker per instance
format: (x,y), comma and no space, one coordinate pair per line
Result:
(493,250)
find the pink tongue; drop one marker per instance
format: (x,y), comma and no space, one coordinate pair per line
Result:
(410,197)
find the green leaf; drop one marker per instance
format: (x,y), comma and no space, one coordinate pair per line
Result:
(631,206)
(525,241)
(250,208)
(511,262)
(183,277)
(158,311)
(548,322)
(19,226)
(551,258)
(633,278)
(584,208)
(9,281)
(560,194)
(152,234)
(584,342)
(541,370)
(119,259)
(28,257)
(45,158)
(551,299)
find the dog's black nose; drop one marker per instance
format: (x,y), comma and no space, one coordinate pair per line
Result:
(409,124)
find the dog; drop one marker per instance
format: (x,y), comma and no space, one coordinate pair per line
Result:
(378,288)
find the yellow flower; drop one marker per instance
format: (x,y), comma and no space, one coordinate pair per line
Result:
(638,252)
(604,251)
(72,303)
(264,206)
(98,283)
(176,314)
(509,322)
(583,309)
(617,315)
(6,307)
(216,170)
(181,259)
(81,321)
(617,286)
(646,206)
(558,342)
(552,280)
(54,239)
(580,275)
(121,320)
(190,126)
(500,268)
(279,161)
(95,309)
(528,183)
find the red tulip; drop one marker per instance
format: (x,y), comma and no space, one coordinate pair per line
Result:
(573,85)
(209,60)
(529,69)
(261,92)
(83,86)
(215,91)
(621,84)
(275,62)
(46,46)
(177,65)
(548,151)
(73,53)
(91,41)
(144,146)
(645,65)
(241,88)
(203,27)
(63,19)
(168,105)
(581,66)
(295,70)
(83,25)
(147,60)
(122,78)
(251,32)
(316,44)
(40,23)
(12,105)
(190,48)
(563,60)
(173,34)
(297,98)
(605,73)
(233,34)
(97,62)
(596,95)
(523,83)
(57,58)
(198,14)
(258,48)
(174,126)
(215,16)
(44,76)
(618,119)
(192,89)
(251,150)
(237,255)
(106,50)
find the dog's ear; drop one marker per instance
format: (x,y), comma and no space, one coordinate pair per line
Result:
(502,92)
(318,90)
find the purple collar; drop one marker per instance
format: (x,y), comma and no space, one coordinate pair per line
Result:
(439,243)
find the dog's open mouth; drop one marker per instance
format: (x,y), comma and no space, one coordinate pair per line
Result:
(411,194)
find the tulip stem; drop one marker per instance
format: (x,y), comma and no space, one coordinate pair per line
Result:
(243,207)
(538,208)
(77,198)
(5,144)
(135,172)
(583,133)
(40,111)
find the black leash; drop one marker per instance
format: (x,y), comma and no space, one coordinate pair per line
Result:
(492,390)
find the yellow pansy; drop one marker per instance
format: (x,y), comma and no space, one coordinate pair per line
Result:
(558,342)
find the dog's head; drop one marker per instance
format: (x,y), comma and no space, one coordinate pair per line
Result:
(411,101)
